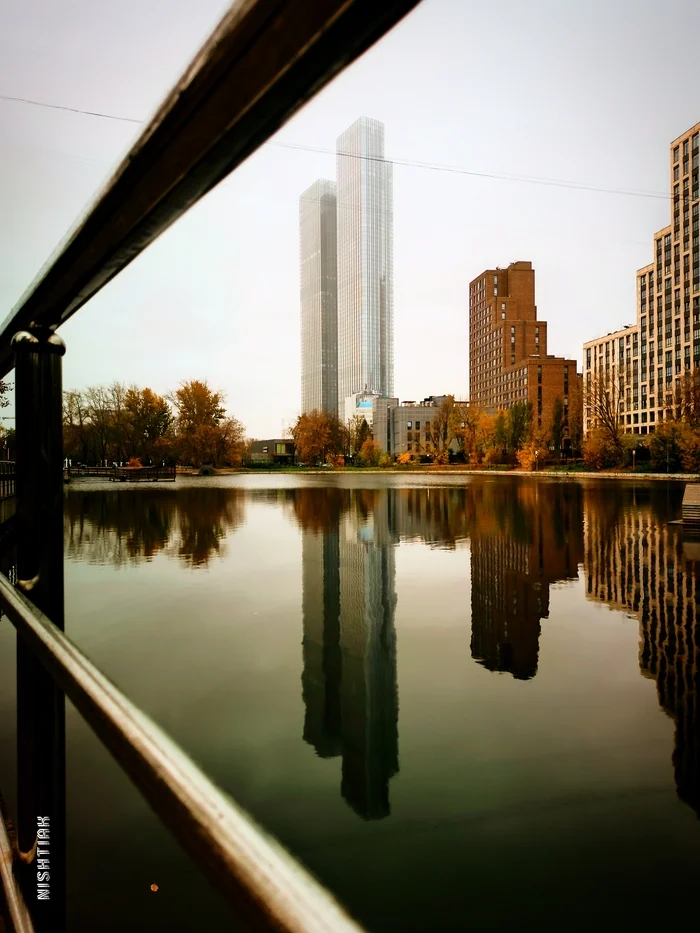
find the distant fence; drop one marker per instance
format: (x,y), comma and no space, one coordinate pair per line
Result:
(7,478)
(126,474)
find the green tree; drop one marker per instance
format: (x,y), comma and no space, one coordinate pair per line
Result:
(518,421)
(148,420)
(558,424)
(500,430)
(665,447)
(358,431)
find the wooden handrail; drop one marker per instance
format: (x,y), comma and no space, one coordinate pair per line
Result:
(251,869)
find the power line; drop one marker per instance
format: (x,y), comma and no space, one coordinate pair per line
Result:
(436,167)
(406,163)
(88,113)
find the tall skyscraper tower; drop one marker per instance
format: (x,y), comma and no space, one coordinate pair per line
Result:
(318,292)
(365,263)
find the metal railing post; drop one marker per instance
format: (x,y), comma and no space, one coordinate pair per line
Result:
(40,703)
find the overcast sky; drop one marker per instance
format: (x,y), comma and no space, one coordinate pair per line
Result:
(590,93)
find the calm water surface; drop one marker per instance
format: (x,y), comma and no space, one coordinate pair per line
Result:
(464,706)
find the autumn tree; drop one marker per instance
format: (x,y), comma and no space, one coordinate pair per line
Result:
(318,435)
(485,438)
(203,432)
(602,397)
(370,453)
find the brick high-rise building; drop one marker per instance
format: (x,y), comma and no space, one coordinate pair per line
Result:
(508,359)
(668,292)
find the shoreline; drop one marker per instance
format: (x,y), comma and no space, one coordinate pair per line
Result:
(542,474)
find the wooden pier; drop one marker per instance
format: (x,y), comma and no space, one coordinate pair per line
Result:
(691,505)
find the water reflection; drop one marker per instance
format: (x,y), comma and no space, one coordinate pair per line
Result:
(349,681)
(128,526)
(522,537)
(635,562)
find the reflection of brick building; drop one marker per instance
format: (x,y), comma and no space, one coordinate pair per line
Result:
(526,538)
(350,681)
(634,562)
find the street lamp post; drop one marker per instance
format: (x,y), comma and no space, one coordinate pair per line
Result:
(634,459)
(537,460)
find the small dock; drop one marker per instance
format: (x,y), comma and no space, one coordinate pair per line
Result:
(691,505)
(143,474)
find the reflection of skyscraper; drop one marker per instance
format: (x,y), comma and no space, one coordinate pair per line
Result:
(321,644)
(349,680)
(634,562)
(365,263)
(369,691)
(525,539)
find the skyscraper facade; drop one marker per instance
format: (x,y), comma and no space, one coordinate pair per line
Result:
(652,374)
(365,263)
(319,305)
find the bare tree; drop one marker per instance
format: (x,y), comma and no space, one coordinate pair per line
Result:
(442,430)
(602,399)
(687,398)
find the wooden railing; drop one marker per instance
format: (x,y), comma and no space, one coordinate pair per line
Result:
(264,60)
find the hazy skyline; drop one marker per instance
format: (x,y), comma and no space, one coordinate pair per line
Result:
(591,95)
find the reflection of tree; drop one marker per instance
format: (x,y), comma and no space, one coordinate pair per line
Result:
(634,562)
(129,526)
(525,536)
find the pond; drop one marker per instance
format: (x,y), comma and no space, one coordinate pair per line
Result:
(463,703)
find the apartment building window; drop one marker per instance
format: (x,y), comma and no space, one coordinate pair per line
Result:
(588,358)
(675,173)
(539,376)
(409,425)
(675,154)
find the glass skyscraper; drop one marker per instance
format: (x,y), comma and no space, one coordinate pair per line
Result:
(319,306)
(365,263)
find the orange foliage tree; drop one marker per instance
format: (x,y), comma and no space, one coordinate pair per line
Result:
(204,433)
(318,435)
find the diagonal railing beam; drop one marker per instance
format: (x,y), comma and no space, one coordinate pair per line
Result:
(253,872)
(264,60)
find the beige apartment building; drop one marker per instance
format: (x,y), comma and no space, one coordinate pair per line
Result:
(667,329)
